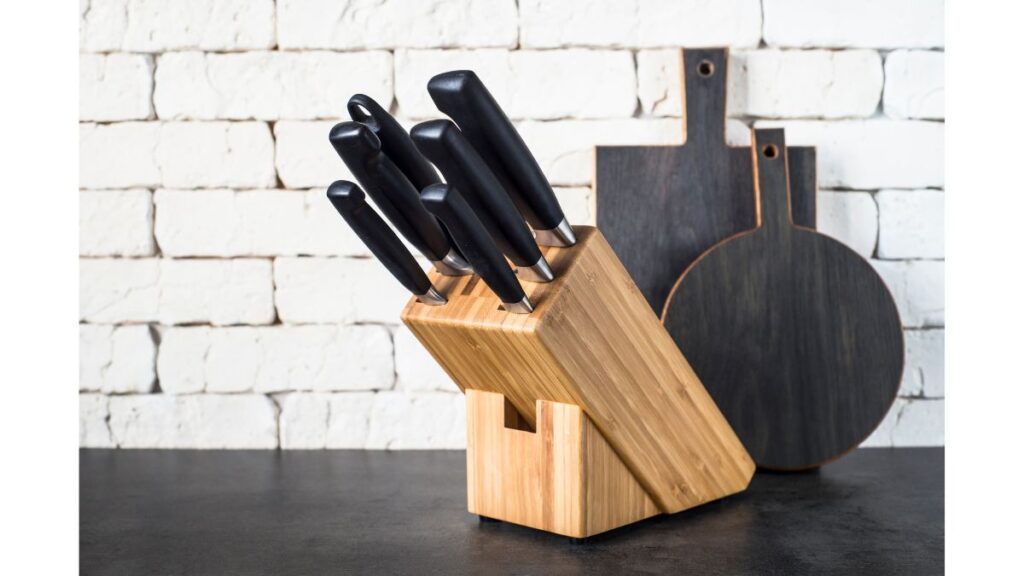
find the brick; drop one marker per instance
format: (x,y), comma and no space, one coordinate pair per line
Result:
(114,87)
(924,372)
(911,422)
(417,420)
(578,204)
(659,85)
(415,368)
(918,286)
(176,154)
(527,83)
(349,423)
(349,24)
(911,224)
(162,25)
(851,218)
(176,291)
(565,149)
(92,421)
(268,85)
(305,158)
(333,421)
(276,359)
(226,223)
(639,23)
(204,421)
(116,360)
(915,84)
(336,291)
(871,154)
(863,24)
(115,223)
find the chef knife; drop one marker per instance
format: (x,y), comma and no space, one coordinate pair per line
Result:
(394,141)
(445,202)
(461,95)
(445,146)
(350,202)
(396,197)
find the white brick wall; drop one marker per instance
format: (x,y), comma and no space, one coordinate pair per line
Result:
(223,303)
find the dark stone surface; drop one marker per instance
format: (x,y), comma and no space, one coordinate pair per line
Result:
(876,511)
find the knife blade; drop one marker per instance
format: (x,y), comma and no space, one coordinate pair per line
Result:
(443,143)
(394,140)
(396,197)
(462,95)
(348,199)
(445,202)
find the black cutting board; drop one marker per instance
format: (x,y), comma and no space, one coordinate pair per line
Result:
(662,206)
(793,334)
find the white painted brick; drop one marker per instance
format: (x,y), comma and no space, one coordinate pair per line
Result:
(276,359)
(639,23)
(924,372)
(336,291)
(578,204)
(911,422)
(305,158)
(415,368)
(527,84)
(228,223)
(348,24)
(268,85)
(176,154)
(114,87)
(861,24)
(176,291)
(349,423)
(417,420)
(565,149)
(915,84)
(737,132)
(870,154)
(92,421)
(911,224)
(116,360)
(851,218)
(198,421)
(918,286)
(304,420)
(160,25)
(115,223)
(659,85)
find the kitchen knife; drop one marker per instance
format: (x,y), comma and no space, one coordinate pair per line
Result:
(445,146)
(461,95)
(445,202)
(396,197)
(394,141)
(350,202)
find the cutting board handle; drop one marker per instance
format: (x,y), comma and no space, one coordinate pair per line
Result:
(771,179)
(704,76)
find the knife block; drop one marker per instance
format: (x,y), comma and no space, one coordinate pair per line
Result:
(583,415)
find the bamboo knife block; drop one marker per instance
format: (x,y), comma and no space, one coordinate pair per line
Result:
(582,416)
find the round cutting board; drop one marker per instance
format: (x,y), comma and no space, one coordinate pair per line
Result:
(793,334)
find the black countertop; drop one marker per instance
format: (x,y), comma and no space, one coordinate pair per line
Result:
(876,511)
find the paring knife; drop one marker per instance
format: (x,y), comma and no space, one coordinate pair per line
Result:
(350,202)
(396,197)
(445,202)
(394,141)
(461,95)
(445,146)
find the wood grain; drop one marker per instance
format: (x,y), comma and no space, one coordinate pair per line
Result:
(794,334)
(591,341)
(662,206)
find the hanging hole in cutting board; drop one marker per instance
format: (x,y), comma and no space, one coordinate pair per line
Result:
(770,151)
(706,68)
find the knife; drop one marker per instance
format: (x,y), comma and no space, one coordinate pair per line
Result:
(394,141)
(461,95)
(445,202)
(443,143)
(350,202)
(396,197)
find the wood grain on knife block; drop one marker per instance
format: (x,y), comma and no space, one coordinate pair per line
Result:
(563,478)
(592,341)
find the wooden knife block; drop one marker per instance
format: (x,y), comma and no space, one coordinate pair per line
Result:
(583,416)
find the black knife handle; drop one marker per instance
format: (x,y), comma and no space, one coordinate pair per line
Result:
(445,202)
(461,95)
(350,202)
(443,143)
(394,141)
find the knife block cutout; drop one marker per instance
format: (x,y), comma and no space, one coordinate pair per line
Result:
(593,345)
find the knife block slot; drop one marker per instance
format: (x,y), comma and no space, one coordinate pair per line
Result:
(591,366)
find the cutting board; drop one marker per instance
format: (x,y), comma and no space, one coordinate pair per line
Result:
(793,334)
(662,206)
